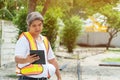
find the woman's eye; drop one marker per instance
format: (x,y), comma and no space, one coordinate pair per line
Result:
(34,25)
(40,24)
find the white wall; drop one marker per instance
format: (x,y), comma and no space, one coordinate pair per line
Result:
(96,38)
(116,41)
(9,34)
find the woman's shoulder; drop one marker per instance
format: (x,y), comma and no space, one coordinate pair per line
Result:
(22,40)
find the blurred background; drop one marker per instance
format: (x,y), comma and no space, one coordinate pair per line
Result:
(74,28)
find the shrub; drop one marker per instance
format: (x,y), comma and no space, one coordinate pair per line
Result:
(71,32)
(50,25)
(20,21)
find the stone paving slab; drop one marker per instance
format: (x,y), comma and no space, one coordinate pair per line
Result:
(92,71)
(70,72)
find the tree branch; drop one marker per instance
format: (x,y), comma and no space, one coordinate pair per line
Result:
(45,7)
(32,5)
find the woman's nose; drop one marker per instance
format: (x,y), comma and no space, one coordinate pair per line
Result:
(38,27)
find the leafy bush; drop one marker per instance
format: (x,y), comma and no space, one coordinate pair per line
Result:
(6,14)
(50,25)
(7,9)
(71,32)
(20,21)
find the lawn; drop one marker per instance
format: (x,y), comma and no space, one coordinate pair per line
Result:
(111,60)
(113,50)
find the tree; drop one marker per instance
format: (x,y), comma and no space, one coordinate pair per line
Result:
(20,18)
(20,21)
(46,4)
(71,31)
(113,22)
(50,24)
(9,8)
(89,7)
(32,5)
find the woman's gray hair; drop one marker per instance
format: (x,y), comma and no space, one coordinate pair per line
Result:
(33,16)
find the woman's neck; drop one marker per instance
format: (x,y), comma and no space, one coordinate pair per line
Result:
(35,36)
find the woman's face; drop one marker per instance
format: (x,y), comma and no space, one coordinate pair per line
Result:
(36,27)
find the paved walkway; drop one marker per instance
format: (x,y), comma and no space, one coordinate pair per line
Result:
(89,66)
(70,71)
(92,71)
(8,71)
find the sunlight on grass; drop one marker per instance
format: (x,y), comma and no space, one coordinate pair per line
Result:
(111,60)
(115,50)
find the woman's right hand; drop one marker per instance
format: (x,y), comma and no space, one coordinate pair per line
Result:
(32,58)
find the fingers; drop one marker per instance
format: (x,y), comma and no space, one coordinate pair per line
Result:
(34,55)
(32,58)
(36,58)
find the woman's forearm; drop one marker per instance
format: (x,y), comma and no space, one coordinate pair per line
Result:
(20,60)
(54,62)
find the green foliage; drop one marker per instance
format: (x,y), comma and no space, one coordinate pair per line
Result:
(113,21)
(86,8)
(40,5)
(1,4)
(113,16)
(80,7)
(8,8)
(71,31)
(114,51)
(20,21)
(50,25)
(4,11)
(6,14)
(39,8)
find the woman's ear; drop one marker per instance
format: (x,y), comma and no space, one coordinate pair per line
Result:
(28,28)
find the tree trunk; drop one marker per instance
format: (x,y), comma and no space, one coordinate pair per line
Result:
(31,5)
(112,34)
(109,41)
(45,7)
(70,50)
(74,3)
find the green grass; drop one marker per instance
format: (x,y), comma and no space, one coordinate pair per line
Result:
(12,76)
(111,60)
(114,50)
